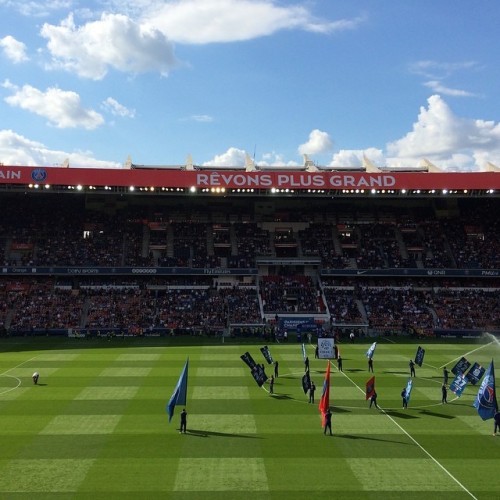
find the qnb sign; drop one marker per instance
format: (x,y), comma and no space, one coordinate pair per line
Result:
(294,180)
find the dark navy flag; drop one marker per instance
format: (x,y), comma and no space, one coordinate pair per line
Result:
(265,352)
(247,358)
(371,350)
(461,367)
(458,385)
(486,399)
(306,382)
(259,375)
(180,392)
(419,356)
(475,374)
(409,387)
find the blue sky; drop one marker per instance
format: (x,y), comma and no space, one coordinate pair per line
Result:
(397,82)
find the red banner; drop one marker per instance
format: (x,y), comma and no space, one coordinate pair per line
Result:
(239,179)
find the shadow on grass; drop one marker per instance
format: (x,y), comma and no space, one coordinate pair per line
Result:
(395,372)
(337,409)
(439,415)
(205,434)
(352,370)
(400,414)
(281,396)
(368,438)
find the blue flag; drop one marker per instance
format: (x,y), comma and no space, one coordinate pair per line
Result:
(419,356)
(409,387)
(475,374)
(486,399)
(180,392)
(458,384)
(371,350)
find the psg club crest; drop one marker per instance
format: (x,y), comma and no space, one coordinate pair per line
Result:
(39,174)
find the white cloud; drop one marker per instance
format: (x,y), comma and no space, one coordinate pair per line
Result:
(440,136)
(319,142)
(13,49)
(213,21)
(36,9)
(437,86)
(113,41)
(115,108)
(233,157)
(18,150)
(201,118)
(436,70)
(354,157)
(62,109)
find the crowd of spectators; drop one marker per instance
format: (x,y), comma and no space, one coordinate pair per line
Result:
(112,236)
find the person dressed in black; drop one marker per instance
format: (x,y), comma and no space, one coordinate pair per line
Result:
(339,363)
(312,389)
(328,421)
(276,366)
(183,420)
(373,400)
(271,385)
(496,419)
(412,368)
(405,401)
(306,364)
(445,375)
(444,391)
(316,352)
(370,364)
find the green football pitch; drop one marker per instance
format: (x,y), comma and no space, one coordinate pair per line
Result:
(96,426)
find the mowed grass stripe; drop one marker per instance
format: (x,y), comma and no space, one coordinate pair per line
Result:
(81,424)
(384,474)
(43,475)
(221,474)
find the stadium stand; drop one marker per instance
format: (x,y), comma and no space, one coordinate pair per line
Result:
(136,265)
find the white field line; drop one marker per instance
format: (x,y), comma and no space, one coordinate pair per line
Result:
(17,366)
(418,444)
(467,353)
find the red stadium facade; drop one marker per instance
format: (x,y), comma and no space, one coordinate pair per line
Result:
(237,179)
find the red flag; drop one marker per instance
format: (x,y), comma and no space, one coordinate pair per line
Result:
(324,402)
(370,388)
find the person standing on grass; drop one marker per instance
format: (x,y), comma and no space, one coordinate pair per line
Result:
(412,368)
(35,377)
(370,364)
(312,389)
(306,364)
(444,391)
(276,367)
(183,421)
(403,396)
(445,375)
(271,385)
(373,400)
(496,419)
(328,421)
(339,363)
